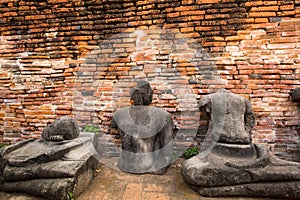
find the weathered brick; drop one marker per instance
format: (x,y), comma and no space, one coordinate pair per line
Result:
(174,14)
(207,1)
(261,20)
(187,29)
(262,14)
(287,7)
(286,13)
(264,8)
(35,17)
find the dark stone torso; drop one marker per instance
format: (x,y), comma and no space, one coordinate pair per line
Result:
(146,134)
(231,117)
(139,127)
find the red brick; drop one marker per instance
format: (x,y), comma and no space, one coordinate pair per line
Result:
(217,16)
(187,29)
(175,14)
(264,8)
(254,3)
(10,14)
(63,112)
(82,37)
(35,17)
(207,1)
(271,76)
(245,71)
(185,8)
(262,14)
(286,13)
(197,17)
(284,40)
(261,20)
(287,7)
(281,46)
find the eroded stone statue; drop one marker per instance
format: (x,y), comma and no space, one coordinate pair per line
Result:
(54,166)
(146,133)
(64,128)
(231,165)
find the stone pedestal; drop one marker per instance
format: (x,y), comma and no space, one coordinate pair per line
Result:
(242,170)
(49,169)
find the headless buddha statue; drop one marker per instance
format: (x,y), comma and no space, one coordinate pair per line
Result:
(230,164)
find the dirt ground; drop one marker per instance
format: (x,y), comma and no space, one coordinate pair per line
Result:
(111,184)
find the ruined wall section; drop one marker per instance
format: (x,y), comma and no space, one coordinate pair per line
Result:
(55,50)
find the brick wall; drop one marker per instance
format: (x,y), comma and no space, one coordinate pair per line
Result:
(80,58)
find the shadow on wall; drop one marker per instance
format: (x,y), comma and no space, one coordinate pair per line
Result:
(175,66)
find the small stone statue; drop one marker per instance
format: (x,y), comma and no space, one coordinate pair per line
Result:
(146,133)
(64,128)
(233,165)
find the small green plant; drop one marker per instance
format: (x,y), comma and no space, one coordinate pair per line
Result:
(71,195)
(2,145)
(190,152)
(91,129)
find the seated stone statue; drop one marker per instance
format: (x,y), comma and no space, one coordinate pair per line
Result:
(231,165)
(64,128)
(52,167)
(146,133)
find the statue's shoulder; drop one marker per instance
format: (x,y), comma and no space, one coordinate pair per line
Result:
(159,111)
(121,111)
(153,112)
